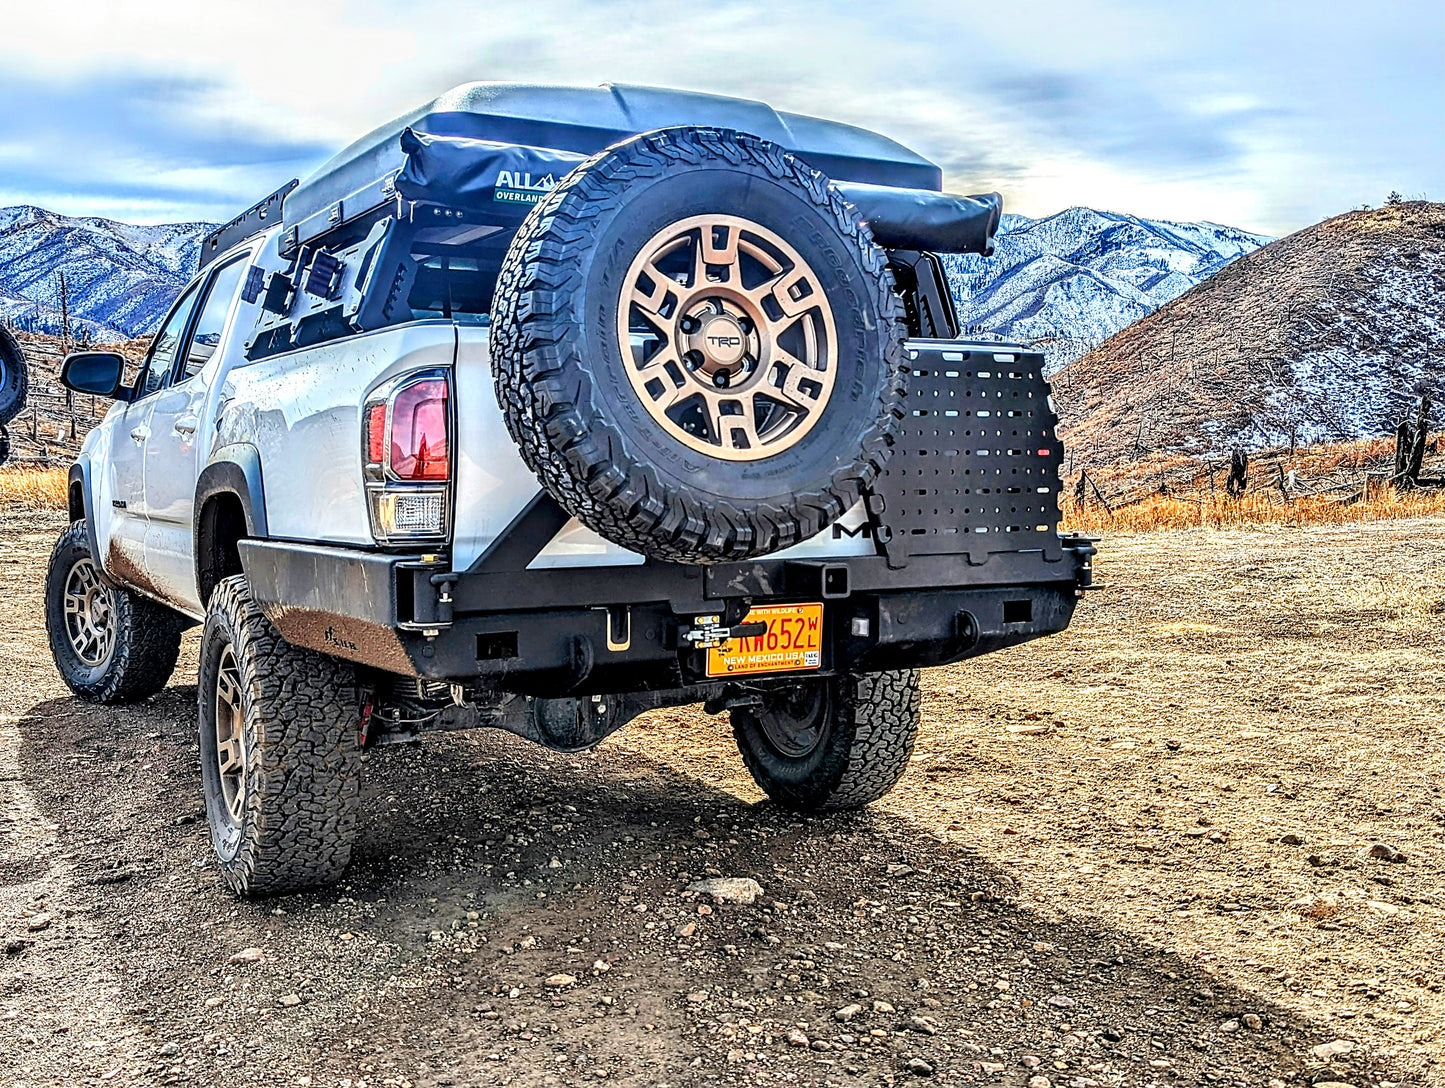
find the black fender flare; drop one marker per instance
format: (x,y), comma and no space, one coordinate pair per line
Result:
(236,470)
(233,470)
(80,475)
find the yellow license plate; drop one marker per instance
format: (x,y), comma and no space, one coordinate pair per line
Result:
(793,641)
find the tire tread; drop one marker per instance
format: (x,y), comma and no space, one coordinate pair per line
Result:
(303,752)
(874,727)
(147,637)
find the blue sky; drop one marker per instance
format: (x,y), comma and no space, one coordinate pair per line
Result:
(1264,115)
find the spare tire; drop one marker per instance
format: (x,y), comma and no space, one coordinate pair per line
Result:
(698,348)
(14,378)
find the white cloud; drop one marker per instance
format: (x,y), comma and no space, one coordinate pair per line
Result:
(1267,116)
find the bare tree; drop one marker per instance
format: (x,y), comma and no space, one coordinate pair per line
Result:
(1410,439)
(65,346)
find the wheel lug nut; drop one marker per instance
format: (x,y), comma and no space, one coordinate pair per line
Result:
(692,360)
(689,325)
(720,379)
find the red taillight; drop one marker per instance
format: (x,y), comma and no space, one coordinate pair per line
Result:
(419,446)
(375,433)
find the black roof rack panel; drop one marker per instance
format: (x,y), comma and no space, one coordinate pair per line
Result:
(251,222)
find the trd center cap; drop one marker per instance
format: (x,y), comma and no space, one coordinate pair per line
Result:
(722,340)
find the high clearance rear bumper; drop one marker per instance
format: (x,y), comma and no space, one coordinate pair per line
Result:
(611,630)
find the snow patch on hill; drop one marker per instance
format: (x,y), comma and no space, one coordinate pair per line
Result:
(1371,356)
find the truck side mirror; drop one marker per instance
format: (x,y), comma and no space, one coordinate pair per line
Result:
(99,372)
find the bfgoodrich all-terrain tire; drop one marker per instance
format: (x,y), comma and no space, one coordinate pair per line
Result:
(831,744)
(110,645)
(698,347)
(280,752)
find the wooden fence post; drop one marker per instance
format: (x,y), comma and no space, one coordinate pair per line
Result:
(1238,481)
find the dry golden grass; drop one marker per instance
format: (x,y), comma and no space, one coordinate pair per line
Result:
(1192,502)
(25,487)
(1335,484)
(1261,508)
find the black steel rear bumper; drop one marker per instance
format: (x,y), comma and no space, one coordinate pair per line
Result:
(967,559)
(610,630)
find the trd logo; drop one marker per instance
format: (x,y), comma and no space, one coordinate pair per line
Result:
(725,341)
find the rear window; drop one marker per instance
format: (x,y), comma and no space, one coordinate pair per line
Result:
(459,288)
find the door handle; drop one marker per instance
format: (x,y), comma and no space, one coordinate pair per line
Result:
(140,434)
(186,425)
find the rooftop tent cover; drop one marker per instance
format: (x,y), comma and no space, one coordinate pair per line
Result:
(504,180)
(585,120)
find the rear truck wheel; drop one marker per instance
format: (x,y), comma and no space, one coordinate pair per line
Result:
(280,751)
(110,645)
(14,379)
(698,348)
(831,744)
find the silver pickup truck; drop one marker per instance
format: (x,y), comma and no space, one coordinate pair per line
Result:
(542,407)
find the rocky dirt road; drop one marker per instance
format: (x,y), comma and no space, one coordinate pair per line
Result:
(1139,853)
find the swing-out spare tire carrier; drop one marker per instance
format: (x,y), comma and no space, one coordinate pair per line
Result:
(656,252)
(682,378)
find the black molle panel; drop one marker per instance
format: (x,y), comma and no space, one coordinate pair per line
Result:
(976,466)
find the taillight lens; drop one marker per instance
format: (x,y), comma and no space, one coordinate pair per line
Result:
(406,441)
(419,446)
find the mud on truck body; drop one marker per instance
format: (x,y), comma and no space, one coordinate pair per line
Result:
(542,407)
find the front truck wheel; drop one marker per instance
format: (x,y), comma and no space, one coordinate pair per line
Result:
(110,645)
(280,752)
(831,744)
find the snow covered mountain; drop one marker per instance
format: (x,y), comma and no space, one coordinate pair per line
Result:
(120,278)
(1068,282)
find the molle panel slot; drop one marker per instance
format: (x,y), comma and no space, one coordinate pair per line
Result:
(976,467)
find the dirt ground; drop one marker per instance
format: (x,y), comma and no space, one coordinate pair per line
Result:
(1138,853)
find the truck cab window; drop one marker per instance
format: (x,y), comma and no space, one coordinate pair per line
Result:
(455,287)
(212,320)
(156,374)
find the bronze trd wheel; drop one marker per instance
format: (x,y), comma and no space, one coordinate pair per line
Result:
(89,614)
(230,729)
(730,337)
(110,645)
(280,754)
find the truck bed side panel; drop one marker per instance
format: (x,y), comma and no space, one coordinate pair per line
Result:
(302,411)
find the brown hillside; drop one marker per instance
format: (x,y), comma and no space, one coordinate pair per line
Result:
(1324,335)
